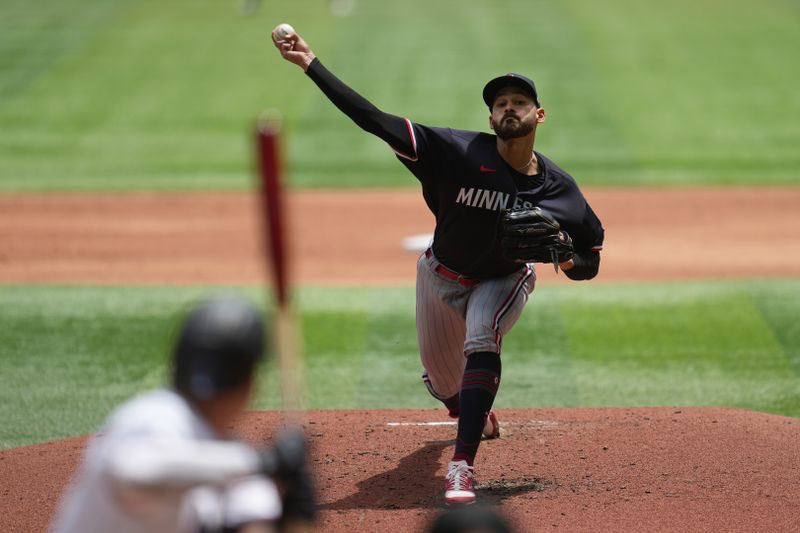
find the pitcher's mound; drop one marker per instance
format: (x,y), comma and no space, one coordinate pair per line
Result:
(633,469)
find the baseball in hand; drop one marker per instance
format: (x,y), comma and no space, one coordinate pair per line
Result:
(282,31)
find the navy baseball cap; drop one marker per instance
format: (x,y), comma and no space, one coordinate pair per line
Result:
(517,80)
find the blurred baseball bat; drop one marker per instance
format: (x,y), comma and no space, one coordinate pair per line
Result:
(272,196)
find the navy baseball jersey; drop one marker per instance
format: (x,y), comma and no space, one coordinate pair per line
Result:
(466,185)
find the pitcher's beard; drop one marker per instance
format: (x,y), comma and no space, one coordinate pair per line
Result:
(511,129)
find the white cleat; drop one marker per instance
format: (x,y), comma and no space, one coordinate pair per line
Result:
(458,484)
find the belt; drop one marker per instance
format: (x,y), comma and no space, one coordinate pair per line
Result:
(451,274)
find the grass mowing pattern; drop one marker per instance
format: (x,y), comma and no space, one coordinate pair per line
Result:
(699,344)
(162,95)
(69,354)
(141,95)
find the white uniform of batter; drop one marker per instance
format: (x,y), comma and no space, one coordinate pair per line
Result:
(158,466)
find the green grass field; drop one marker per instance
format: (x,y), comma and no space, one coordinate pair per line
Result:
(100,95)
(69,354)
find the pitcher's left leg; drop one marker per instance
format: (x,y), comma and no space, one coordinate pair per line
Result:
(494,307)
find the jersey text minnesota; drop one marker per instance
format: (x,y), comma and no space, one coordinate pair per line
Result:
(488,199)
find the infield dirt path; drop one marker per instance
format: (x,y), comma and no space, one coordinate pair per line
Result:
(355,237)
(631,470)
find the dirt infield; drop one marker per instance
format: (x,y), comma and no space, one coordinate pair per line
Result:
(658,469)
(354,237)
(663,469)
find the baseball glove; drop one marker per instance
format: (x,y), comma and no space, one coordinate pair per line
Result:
(533,236)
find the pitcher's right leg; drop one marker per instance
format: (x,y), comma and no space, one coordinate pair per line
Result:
(441,330)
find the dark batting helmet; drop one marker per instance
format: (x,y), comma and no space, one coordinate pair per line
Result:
(218,346)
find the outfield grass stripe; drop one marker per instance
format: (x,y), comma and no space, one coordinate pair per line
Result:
(691,344)
(685,60)
(69,354)
(537,365)
(780,309)
(391,371)
(335,345)
(35,39)
(163,95)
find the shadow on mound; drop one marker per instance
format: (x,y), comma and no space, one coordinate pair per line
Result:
(495,491)
(415,484)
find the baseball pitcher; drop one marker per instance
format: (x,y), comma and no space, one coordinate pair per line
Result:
(500,206)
